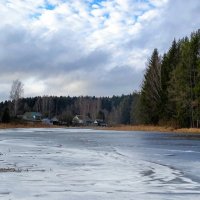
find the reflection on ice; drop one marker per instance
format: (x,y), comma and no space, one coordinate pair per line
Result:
(75,163)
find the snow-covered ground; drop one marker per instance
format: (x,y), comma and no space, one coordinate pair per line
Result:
(74,164)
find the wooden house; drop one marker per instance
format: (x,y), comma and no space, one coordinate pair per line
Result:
(32,116)
(81,120)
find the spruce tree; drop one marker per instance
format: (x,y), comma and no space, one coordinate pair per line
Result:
(151,90)
(169,64)
(6,116)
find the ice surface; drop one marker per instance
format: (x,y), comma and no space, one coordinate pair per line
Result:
(74,164)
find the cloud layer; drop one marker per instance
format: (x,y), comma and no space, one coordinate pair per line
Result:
(86,47)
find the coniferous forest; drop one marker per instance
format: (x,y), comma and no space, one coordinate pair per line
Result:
(169,95)
(170,92)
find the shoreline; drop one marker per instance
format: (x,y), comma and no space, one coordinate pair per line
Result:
(152,128)
(111,128)
(25,125)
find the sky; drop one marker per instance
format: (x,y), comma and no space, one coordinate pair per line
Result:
(86,47)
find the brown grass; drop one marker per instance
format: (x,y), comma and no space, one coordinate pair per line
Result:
(187,130)
(116,127)
(24,125)
(151,128)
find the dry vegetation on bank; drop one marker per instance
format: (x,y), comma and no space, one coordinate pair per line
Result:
(24,125)
(152,128)
(116,128)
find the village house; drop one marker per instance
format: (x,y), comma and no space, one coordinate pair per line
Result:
(53,121)
(32,116)
(99,122)
(47,121)
(81,120)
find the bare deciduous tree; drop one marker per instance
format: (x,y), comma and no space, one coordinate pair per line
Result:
(16,92)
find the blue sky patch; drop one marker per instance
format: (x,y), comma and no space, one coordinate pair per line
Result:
(97,2)
(106,15)
(49,6)
(35,16)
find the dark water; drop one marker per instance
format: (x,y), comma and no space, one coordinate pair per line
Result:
(87,164)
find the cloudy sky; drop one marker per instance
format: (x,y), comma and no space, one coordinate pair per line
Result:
(86,47)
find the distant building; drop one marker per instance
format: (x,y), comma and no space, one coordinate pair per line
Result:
(55,121)
(47,121)
(99,122)
(32,116)
(81,120)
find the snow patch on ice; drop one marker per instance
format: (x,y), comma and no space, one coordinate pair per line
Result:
(62,164)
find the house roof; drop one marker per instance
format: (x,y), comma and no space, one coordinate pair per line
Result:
(98,120)
(83,117)
(54,119)
(30,114)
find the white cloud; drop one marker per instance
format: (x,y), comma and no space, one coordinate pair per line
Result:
(89,44)
(149,16)
(33,86)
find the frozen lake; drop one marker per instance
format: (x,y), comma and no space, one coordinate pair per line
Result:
(74,164)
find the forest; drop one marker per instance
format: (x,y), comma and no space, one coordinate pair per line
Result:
(169,95)
(113,110)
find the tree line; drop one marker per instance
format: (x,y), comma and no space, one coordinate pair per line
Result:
(170,92)
(114,110)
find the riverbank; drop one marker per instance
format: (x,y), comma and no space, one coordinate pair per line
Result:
(24,125)
(114,128)
(151,128)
